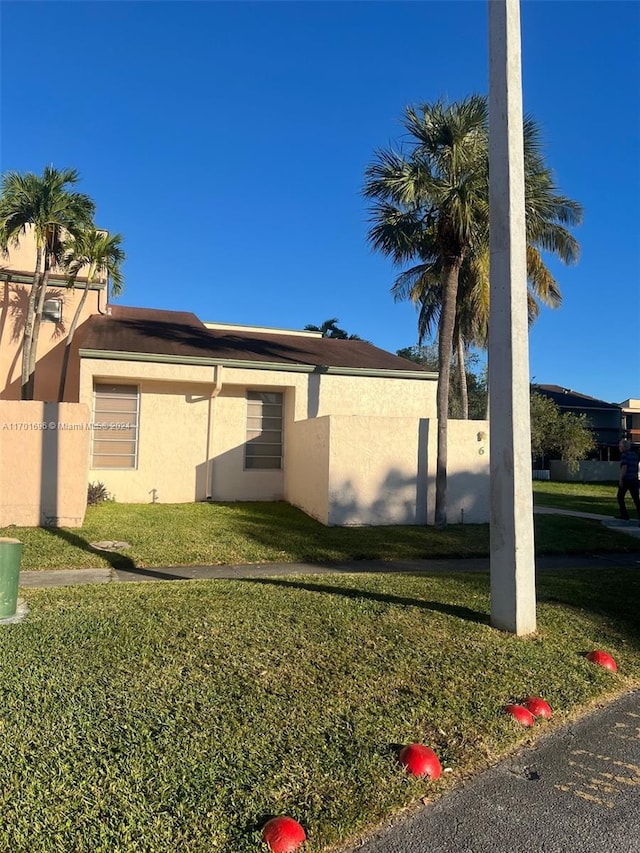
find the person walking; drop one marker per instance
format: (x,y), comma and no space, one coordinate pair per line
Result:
(628,481)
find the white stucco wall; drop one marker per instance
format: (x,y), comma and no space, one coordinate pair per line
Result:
(318,394)
(370,461)
(468,498)
(43,463)
(172,442)
(378,470)
(230,481)
(307,469)
(381,470)
(176,416)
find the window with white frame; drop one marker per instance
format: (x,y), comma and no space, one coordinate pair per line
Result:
(115,426)
(263,449)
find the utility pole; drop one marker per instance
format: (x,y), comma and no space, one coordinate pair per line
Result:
(513,596)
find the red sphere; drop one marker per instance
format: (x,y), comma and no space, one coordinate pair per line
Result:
(283,834)
(524,717)
(419,760)
(538,707)
(602,659)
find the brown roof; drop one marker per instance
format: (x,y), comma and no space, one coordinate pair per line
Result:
(181,334)
(568,398)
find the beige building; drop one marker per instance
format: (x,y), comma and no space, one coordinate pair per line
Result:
(180,410)
(631,419)
(341,429)
(16,277)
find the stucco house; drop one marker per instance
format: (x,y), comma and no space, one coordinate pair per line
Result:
(180,410)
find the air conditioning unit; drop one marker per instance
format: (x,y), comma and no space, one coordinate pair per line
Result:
(52,310)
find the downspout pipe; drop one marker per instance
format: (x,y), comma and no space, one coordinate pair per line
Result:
(217,387)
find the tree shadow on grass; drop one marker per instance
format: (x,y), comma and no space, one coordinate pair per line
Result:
(115,559)
(455,610)
(610,592)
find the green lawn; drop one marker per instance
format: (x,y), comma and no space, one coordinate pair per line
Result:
(598,498)
(162,717)
(220,534)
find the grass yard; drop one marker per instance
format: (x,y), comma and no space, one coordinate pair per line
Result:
(154,718)
(221,534)
(598,498)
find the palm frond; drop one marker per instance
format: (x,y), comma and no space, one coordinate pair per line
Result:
(431,205)
(44,203)
(97,253)
(541,282)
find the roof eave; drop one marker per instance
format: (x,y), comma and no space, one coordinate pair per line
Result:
(166,358)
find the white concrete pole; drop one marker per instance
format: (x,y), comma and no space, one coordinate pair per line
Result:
(513,596)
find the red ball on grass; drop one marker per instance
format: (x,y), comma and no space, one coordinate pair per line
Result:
(538,707)
(520,714)
(602,659)
(283,834)
(419,760)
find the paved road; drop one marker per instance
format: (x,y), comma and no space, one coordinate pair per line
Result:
(577,789)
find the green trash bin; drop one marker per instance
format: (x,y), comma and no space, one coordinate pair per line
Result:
(10,555)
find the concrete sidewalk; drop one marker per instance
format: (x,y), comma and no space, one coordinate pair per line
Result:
(620,525)
(71,577)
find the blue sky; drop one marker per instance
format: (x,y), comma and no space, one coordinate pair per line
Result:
(227,143)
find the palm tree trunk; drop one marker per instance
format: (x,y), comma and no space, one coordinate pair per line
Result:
(37,320)
(487,408)
(67,349)
(445,346)
(26,388)
(464,394)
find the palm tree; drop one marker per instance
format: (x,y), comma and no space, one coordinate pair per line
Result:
(46,204)
(421,285)
(431,204)
(330,329)
(101,254)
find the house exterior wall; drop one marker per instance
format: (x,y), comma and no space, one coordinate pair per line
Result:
(14,295)
(174,404)
(43,472)
(22,258)
(307,470)
(230,481)
(606,425)
(372,396)
(382,471)
(173,457)
(51,342)
(378,470)
(317,394)
(468,497)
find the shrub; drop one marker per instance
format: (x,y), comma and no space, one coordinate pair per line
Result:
(97,493)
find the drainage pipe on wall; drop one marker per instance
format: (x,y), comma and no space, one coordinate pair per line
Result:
(217,387)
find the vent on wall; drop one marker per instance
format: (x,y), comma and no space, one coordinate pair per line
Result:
(52,310)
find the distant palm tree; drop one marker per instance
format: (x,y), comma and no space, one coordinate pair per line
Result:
(101,254)
(46,204)
(330,329)
(431,204)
